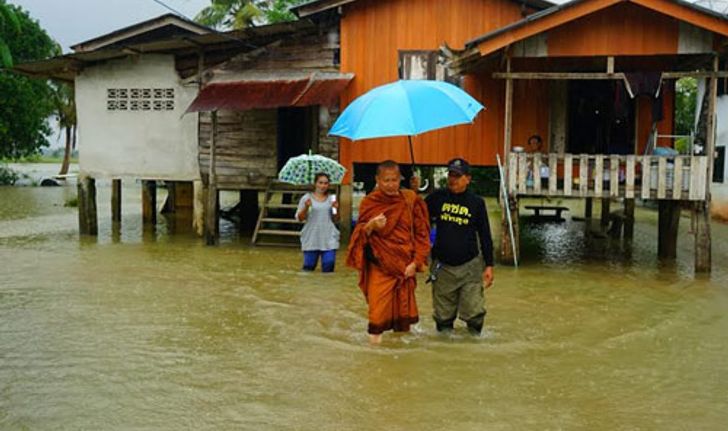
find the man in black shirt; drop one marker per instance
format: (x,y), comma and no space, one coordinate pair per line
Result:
(462,257)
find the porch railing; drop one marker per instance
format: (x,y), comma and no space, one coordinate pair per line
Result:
(604,175)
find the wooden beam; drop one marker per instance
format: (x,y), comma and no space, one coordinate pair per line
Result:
(211,225)
(87,217)
(669,222)
(149,202)
(703,258)
(711,127)
(116,200)
(628,219)
(508,116)
(573,76)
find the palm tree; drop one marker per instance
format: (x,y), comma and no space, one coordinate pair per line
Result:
(230,14)
(65,110)
(9,24)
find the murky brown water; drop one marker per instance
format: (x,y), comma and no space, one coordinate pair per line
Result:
(135,331)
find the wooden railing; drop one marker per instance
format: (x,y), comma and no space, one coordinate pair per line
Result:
(604,175)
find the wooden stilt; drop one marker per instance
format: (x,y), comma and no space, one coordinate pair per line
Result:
(116,201)
(669,223)
(149,202)
(87,217)
(588,208)
(345,211)
(628,219)
(606,203)
(211,219)
(507,252)
(703,254)
(199,191)
(249,210)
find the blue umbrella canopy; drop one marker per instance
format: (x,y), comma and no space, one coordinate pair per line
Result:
(406,108)
(302,169)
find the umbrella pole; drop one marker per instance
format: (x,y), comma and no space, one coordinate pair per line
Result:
(412,153)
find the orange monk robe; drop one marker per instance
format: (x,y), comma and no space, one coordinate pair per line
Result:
(404,239)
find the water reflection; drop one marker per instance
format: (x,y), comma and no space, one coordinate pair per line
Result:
(142,329)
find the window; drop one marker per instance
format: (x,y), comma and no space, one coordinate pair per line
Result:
(140,99)
(719,165)
(425,65)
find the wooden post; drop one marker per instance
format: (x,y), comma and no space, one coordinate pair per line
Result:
(346,198)
(702,237)
(605,211)
(703,243)
(508,116)
(629,219)
(211,231)
(199,199)
(116,201)
(588,208)
(87,217)
(507,252)
(149,202)
(668,227)
(249,210)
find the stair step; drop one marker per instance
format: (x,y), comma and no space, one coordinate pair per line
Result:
(279,244)
(292,206)
(281,220)
(279,232)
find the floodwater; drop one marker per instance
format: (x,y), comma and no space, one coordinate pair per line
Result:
(151,331)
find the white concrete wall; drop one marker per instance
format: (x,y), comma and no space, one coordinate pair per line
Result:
(135,144)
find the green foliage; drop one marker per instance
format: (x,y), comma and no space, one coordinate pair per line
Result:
(682,145)
(8,177)
(237,14)
(26,103)
(71,202)
(9,27)
(686,94)
(486,181)
(278,10)
(230,14)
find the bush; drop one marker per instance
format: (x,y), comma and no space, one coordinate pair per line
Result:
(8,177)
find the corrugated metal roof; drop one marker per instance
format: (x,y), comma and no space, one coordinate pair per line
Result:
(66,66)
(270,91)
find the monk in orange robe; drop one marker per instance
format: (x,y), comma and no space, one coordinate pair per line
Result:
(390,243)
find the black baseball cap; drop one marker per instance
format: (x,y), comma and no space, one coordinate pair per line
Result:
(459,166)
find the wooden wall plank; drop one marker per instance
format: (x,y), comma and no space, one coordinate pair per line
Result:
(568,172)
(614,176)
(629,180)
(661,177)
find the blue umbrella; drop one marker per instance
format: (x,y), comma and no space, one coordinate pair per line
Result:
(406,108)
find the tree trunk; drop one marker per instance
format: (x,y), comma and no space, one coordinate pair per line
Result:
(66,153)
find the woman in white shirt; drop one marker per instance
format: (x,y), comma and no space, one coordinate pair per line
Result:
(319,237)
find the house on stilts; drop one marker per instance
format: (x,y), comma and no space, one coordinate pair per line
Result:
(204,111)
(595,79)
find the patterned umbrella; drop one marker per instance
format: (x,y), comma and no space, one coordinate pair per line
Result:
(302,169)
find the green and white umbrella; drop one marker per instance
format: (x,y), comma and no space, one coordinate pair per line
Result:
(302,169)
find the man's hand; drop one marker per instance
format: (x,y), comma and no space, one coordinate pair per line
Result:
(488,276)
(410,270)
(377,222)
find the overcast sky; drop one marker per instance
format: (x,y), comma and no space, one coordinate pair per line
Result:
(73,21)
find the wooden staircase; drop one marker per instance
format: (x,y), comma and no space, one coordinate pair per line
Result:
(277,225)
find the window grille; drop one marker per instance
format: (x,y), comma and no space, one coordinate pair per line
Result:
(140,99)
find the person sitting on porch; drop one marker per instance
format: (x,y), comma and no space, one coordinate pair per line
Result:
(390,243)
(319,237)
